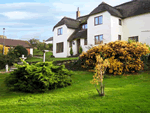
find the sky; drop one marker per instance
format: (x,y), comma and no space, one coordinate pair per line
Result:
(27,19)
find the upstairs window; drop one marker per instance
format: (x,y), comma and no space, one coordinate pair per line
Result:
(84,26)
(134,38)
(120,22)
(98,20)
(85,41)
(60,31)
(99,39)
(119,37)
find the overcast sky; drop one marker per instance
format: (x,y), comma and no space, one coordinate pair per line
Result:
(26,19)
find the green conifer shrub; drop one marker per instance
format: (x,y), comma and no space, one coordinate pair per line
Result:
(41,77)
(71,51)
(80,50)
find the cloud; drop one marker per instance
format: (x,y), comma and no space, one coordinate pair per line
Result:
(17,24)
(20,5)
(62,7)
(18,15)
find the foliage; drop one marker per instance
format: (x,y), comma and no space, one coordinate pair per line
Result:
(20,50)
(122,55)
(5,49)
(100,69)
(9,59)
(50,47)
(2,36)
(6,59)
(80,50)
(71,51)
(34,42)
(40,77)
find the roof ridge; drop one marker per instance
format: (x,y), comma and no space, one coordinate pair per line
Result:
(69,18)
(83,16)
(15,39)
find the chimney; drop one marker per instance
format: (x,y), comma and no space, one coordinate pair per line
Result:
(77,13)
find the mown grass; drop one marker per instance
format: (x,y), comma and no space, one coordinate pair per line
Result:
(123,94)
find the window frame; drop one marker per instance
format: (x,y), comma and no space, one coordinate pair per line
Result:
(120,22)
(137,40)
(101,42)
(98,20)
(83,26)
(119,37)
(60,51)
(59,31)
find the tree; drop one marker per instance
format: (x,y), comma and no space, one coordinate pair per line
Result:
(100,69)
(34,42)
(20,50)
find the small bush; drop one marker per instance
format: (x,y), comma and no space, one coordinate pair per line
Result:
(20,50)
(40,77)
(71,51)
(80,50)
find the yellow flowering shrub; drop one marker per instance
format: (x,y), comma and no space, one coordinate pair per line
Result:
(122,55)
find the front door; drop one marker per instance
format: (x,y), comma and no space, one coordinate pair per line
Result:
(78,45)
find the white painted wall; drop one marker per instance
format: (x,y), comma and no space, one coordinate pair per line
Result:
(49,42)
(116,29)
(31,51)
(61,38)
(134,26)
(104,28)
(84,47)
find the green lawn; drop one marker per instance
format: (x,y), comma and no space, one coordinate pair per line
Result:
(123,94)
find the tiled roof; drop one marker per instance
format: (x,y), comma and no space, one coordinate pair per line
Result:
(78,34)
(50,39)
(12,42)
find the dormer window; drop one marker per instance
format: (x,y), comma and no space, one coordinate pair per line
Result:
(59,31)
(84,26)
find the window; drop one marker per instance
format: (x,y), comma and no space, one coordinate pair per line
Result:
(120,23)
(60,31)
(84,26)
(85,41)
(98,20)
(134,38)
(119,37)
(99,39)
(59,47)
(70,44)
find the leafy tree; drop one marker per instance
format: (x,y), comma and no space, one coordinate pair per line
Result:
(34,42)
(100,69)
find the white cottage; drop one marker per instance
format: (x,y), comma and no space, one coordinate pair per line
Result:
(104,24)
